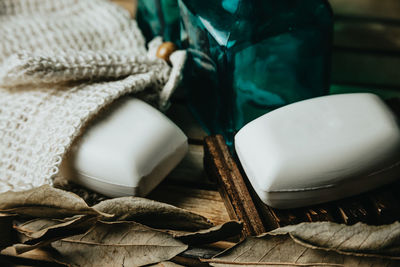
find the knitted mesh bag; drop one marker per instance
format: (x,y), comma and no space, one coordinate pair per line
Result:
(61,62)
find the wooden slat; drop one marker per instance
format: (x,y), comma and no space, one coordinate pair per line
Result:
(385,93)
(204,202)
(351,67)
(219,164)
(371,9)
(364,35)
(353,210)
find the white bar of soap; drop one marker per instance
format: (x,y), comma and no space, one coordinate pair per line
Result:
(320,149)
(129,151)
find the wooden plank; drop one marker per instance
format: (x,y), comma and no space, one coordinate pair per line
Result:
(371,9)
(219,164)
(365,35)
(204,202)
(351,67)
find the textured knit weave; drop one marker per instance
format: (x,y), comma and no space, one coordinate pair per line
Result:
(61,62)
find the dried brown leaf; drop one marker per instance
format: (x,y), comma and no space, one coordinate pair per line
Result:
(45,202)
(279,248)
(39,228)
(41,232)
(118,244)
(152,213)
(165,264)
(359,239)
(211,235)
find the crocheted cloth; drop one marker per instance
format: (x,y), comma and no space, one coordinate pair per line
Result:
(61,62)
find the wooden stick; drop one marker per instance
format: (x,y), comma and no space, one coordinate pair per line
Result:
(219,164)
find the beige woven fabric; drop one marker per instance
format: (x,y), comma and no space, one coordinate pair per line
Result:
(61,62)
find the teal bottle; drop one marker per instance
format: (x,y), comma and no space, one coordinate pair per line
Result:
(249,57)
(159,18)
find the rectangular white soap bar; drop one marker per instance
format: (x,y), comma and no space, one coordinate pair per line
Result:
(128,151)
(320,149)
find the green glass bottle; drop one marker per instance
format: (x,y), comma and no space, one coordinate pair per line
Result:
(248,57)
(159,18)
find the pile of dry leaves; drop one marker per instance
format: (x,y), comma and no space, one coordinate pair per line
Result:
(133,231)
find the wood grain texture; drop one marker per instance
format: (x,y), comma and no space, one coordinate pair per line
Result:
(219,164)
(204,202)
(371,9)
(352,67)
(370,36)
